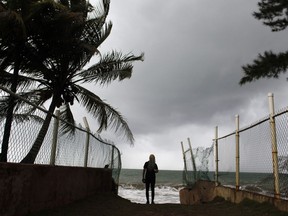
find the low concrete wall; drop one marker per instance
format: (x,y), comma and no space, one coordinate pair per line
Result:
(232,195)
(201,192)
(30,188)
(206,191)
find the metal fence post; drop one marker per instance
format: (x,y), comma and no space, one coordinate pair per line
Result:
(274,146)
(87,141)
(55,138)
(112,157)
(184,158)
(193,160)
(216,156)
(237,152)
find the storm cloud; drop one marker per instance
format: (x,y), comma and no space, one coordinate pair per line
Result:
(188,82)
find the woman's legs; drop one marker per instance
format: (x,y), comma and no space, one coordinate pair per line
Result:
(147,191)
(152,191)
(148,183)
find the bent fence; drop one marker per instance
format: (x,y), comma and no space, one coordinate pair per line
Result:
(82,149)
(253,158)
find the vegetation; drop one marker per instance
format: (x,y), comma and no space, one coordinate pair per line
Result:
(13,39)
(272,13)
(65,35)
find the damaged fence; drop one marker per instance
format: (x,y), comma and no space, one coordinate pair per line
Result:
(252,158)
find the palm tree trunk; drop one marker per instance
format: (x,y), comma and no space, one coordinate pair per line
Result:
(9,117)
(32,154)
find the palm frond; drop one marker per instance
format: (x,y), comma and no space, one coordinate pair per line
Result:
(37,97)
(22,117)
(35,62)
(93,36)
(12,27)
(101,12)
(6,61)
(68,125)
(104,113)
(4,105)
(23,81)
(86,46)
(111,66)
(41,6)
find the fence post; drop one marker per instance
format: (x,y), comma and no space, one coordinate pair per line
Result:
(274,146)
(184,158)
(193,160)
(237,152)
(87,141)
(216,156)
(112,157)
(55,138)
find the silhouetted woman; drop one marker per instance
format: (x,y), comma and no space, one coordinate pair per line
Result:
(149,177)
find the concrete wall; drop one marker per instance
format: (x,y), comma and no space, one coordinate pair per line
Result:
(235,196)
(30,188)
(201,192)
(206,191)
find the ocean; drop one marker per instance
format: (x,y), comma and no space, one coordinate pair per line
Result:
(170,182)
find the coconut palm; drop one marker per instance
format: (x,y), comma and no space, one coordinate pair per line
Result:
(62,51)
(13,36)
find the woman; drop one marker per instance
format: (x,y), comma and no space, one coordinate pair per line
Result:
(149,177)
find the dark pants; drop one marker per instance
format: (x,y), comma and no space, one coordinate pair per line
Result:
(148,184)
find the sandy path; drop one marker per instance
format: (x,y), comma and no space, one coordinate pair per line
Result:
(111,205)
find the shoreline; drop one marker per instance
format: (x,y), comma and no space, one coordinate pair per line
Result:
(163,195)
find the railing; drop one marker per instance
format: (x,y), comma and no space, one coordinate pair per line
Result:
(253,158)
(82,149)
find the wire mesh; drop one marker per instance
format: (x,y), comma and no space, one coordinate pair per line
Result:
(203,159)
(257,168)
(226,160)
(256,165)
(189,173)
(70,149)
(282,147)
(198,164)
(255,151)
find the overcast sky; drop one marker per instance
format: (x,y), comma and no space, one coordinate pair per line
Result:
(188,82)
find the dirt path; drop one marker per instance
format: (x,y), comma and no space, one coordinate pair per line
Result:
(111,205)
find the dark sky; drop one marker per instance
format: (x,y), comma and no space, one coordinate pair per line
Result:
(188,82)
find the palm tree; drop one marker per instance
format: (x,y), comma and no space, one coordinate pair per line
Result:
(13,37)
(16,37)
(62,58)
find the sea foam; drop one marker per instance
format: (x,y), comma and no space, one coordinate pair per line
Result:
(163,194)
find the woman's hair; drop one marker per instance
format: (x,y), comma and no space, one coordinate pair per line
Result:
(151,163)
(152,158)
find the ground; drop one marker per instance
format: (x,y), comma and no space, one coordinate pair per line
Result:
(112,205)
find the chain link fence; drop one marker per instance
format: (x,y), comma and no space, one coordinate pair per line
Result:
(252,158)
(197,164)
(69,150)
(262,156)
